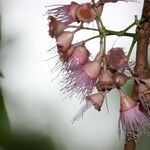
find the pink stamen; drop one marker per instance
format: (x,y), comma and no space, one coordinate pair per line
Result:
(64,13)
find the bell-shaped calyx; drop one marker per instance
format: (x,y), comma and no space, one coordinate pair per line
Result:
(97,100)
(56,27)
(73,8)
(85,13)
(117,59)
(81,54)
(92,68)
(120,79)
(126,102)
(105,81)
(64,40)
(65,54)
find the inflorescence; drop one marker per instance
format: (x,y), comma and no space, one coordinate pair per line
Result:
(105,72)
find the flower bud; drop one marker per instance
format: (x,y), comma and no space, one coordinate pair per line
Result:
(117,59)
(120,79)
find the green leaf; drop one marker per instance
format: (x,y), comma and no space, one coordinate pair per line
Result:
(1,74)
(4,123)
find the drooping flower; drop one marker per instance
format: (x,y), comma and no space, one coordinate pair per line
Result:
(117,59)
(56,28)
(65,13)
(105,81)
(64,56)
(120,79)
(95,100)
(82,80)
(79,57)
(85,13)
(64,40)
(134,123)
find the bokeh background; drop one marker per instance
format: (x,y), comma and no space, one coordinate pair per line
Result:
(33,112)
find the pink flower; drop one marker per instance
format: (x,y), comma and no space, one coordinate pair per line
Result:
(120,79)
(105,81)
(64,40)
(56,28)
(134,122)
(85,13)
(95,100)
(79,57)
(65,13)
(82,80)
(117,59)
(65,54)
(63,62)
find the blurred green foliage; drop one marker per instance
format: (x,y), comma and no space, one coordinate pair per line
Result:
(1,75)
(128,88)
(30,141)
(20,140)
(0,31)
(143,143)
(4,123)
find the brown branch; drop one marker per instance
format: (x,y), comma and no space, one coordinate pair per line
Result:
(141,69)
(130,145)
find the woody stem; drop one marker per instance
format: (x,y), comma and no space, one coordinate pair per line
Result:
(141,69)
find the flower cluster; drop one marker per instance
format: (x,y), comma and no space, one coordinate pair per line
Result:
(105,72)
